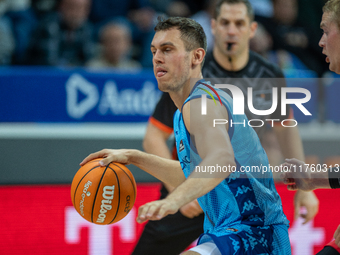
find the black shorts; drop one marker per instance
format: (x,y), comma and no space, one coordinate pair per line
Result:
(170,235)
(328,250)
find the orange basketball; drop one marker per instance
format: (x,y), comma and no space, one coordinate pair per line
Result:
(103,194)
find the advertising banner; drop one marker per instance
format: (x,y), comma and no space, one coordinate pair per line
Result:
(76,95)
(41,220)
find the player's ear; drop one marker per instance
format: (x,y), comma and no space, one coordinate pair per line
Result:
(198,56)
(253,28)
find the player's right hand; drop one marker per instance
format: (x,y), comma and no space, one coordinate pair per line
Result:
(109,155)
(191,210)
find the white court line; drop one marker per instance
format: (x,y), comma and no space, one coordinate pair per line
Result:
(72,131)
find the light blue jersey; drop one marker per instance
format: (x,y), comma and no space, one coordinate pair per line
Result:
(244,212)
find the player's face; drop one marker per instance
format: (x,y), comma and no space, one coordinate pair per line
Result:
(171,62)
(233,26)
(330,42)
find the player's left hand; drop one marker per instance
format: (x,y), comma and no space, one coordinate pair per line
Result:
(308,200)
(337,236)
(156,210)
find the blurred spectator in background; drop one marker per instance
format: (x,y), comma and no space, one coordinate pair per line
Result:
(262,43)
(103,11)
(263,8)
(290,35)
(310,14)
(194,6)
(43,7)
(115,48)
(64,38)
(137,13)
(204,17)
(178,9)
(201,11)
(17,22)
(185,8)
(7,42)
(160,6)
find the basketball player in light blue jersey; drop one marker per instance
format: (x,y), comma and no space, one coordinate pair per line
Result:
(243,212)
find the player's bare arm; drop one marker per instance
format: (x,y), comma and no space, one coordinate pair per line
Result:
(290,142)
(291,146)
(300,177)
(166,170)
(154,141)
(213,146)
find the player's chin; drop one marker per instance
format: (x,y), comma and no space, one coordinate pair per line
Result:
(334,67)
(163,86)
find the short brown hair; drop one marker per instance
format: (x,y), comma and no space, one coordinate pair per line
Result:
(191,31)
(333,8)
(250,11)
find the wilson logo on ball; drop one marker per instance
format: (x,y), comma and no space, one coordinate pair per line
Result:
(108,192)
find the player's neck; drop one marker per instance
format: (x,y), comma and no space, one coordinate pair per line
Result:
(231,63)
(179,97)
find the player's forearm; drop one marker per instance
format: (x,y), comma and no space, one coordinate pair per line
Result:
(192,189)
(155,141)
(200,183)
(320,180)
(160,148)
(166,170)
(290,142)
(156,144)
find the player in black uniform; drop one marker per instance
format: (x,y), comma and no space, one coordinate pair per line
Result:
(232,27)
(308,179)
